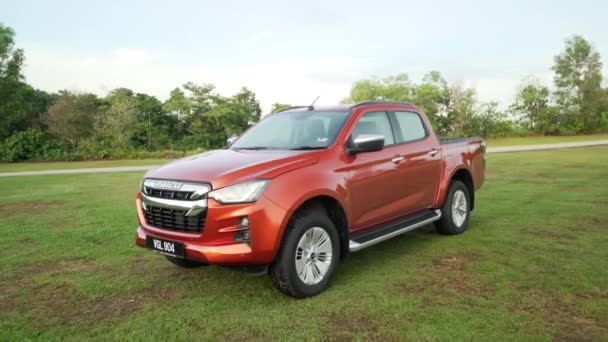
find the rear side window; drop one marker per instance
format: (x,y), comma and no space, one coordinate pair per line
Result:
(375,123)
(410,126)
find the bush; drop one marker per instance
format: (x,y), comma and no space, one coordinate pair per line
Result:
(30,144)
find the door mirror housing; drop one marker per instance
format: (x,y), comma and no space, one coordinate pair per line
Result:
(365,143)
(232,139)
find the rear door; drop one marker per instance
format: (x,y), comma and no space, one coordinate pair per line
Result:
(420,166)
(373,175)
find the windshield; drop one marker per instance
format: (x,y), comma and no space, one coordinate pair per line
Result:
(293,131)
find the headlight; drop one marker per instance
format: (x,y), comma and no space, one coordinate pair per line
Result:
(239,193)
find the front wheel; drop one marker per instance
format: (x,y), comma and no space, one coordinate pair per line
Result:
(456,210)
(308,257)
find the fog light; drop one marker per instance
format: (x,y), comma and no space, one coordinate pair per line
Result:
(244,222)
(243,234)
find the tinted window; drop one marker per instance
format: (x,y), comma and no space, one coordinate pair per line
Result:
(375,123)
(410,125)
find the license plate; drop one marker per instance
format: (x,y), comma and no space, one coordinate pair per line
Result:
(170,248)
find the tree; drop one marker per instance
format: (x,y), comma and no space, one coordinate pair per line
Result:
(432,96)
(532,104)
(155,128)
(578,80)
(119,118)
(277,107)
(209,118)
(396,88)
(12,89)
(489,121)
(11,59)
(20,105)
(72,119)
(460,111)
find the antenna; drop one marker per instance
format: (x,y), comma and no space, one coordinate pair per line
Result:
(313,102)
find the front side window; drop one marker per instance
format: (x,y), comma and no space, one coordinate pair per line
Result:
(299,130)
(375,123)
(410,126)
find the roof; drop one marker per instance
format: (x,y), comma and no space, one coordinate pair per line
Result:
(345,107)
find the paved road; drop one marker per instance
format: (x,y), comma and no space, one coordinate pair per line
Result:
(148,167)
(545,146)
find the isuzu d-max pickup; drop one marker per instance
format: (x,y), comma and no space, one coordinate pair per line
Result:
(307,186)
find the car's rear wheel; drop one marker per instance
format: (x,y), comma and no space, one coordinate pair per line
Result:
(308,257)
(185,263)
(456,210)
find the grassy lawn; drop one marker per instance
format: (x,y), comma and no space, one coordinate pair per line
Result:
(532,265)
(517,141)
(36,166)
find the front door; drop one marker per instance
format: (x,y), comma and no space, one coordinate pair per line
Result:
(374,175)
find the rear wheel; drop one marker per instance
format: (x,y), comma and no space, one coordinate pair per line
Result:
(185,263)
(455,211)
(308,257)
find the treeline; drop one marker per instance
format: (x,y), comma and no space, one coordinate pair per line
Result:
(36,125)
(577,105)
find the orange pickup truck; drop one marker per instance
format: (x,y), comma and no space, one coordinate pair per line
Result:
(305,187)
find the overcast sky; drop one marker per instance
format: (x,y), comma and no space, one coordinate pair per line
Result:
(292,51)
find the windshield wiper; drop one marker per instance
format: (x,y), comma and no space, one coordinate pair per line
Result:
(253,148)
(309,148)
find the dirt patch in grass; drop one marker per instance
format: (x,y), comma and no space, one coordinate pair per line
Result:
(547,234)
(589,224)
(61,303)
(444,279)
(243,335)
(28,207)
(567,320)
(340,327)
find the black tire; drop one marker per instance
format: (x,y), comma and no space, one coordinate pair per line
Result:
(447,225)
(185,263)
(283,270)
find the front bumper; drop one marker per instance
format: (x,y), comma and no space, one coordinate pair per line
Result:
(216,243)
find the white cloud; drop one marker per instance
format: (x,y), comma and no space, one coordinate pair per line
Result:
(297,81)
(259,36)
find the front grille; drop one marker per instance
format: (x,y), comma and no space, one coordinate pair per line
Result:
(174,219)
(178,195)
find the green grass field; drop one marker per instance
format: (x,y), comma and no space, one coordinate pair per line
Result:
(531,266)
(536,140)
(36,166)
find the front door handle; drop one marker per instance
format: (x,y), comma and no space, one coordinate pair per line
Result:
(397,159)
(433,152)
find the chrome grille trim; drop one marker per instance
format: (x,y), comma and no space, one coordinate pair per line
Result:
(192,208)
(189,191)
(175,205)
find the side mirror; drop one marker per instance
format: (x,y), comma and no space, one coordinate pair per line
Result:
(232,139)
(365,143)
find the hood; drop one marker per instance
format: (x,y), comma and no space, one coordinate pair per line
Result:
(226,167)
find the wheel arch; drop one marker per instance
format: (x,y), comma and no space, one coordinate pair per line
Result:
(336,212)
(465,176)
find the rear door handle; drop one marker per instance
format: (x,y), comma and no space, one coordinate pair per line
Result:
(397,159)
(433,152)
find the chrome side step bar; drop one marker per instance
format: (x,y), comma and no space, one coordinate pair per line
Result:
(399,228)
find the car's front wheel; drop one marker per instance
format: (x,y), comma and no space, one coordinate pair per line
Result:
(308,256)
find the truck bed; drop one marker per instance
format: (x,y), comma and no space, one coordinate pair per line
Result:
(446,141)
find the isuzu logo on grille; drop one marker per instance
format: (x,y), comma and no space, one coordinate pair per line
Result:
(164,185)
